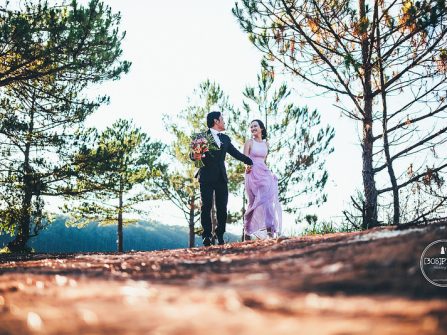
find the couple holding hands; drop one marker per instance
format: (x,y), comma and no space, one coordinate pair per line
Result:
(262,218)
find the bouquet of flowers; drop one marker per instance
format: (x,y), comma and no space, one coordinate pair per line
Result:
(200,144)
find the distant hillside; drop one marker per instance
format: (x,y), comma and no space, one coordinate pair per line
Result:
(142,236)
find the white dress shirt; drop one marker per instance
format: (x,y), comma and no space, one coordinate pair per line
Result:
(214,132)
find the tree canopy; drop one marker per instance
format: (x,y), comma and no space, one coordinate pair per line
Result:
(50,55)
(111,173)
(384,62)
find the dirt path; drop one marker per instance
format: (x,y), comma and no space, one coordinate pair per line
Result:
(356,283)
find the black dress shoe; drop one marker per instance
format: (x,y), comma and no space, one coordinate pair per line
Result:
(206,241)
(220,239)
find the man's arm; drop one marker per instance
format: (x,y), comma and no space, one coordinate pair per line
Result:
(239,156)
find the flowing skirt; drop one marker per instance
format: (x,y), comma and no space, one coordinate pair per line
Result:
(264,212)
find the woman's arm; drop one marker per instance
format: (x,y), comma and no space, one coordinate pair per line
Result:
(247,149)
(268,146)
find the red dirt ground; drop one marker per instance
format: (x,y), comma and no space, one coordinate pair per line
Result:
(344,283)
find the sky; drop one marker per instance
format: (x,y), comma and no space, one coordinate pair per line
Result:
(174,46)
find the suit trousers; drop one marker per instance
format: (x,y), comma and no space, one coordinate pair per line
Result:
(220,189)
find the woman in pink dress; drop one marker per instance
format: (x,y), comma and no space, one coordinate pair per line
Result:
(263,215)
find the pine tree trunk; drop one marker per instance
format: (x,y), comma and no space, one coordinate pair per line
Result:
(23,231)
(24,224)
(396,206)
(192,235)
(25,216)
(386,146)
(369,185)
(120,223)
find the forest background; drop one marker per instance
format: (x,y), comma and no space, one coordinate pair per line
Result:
(196,58)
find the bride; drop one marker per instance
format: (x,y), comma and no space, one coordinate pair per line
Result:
(263,216)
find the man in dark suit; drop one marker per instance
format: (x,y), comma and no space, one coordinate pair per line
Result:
(213,178)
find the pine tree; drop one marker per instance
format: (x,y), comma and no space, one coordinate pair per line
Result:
(384,63)
(179,184)
(111,174)
(51,54)
(298,144)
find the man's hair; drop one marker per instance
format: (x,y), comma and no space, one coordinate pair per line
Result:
(211,117)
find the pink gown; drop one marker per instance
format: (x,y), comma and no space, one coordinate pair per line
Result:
(264,210)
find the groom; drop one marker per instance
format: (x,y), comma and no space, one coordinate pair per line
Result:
(213,178)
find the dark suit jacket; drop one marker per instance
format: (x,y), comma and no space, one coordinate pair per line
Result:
(214,160)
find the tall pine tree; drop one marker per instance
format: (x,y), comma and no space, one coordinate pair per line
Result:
(50,55)
(111,175)
(178,183)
